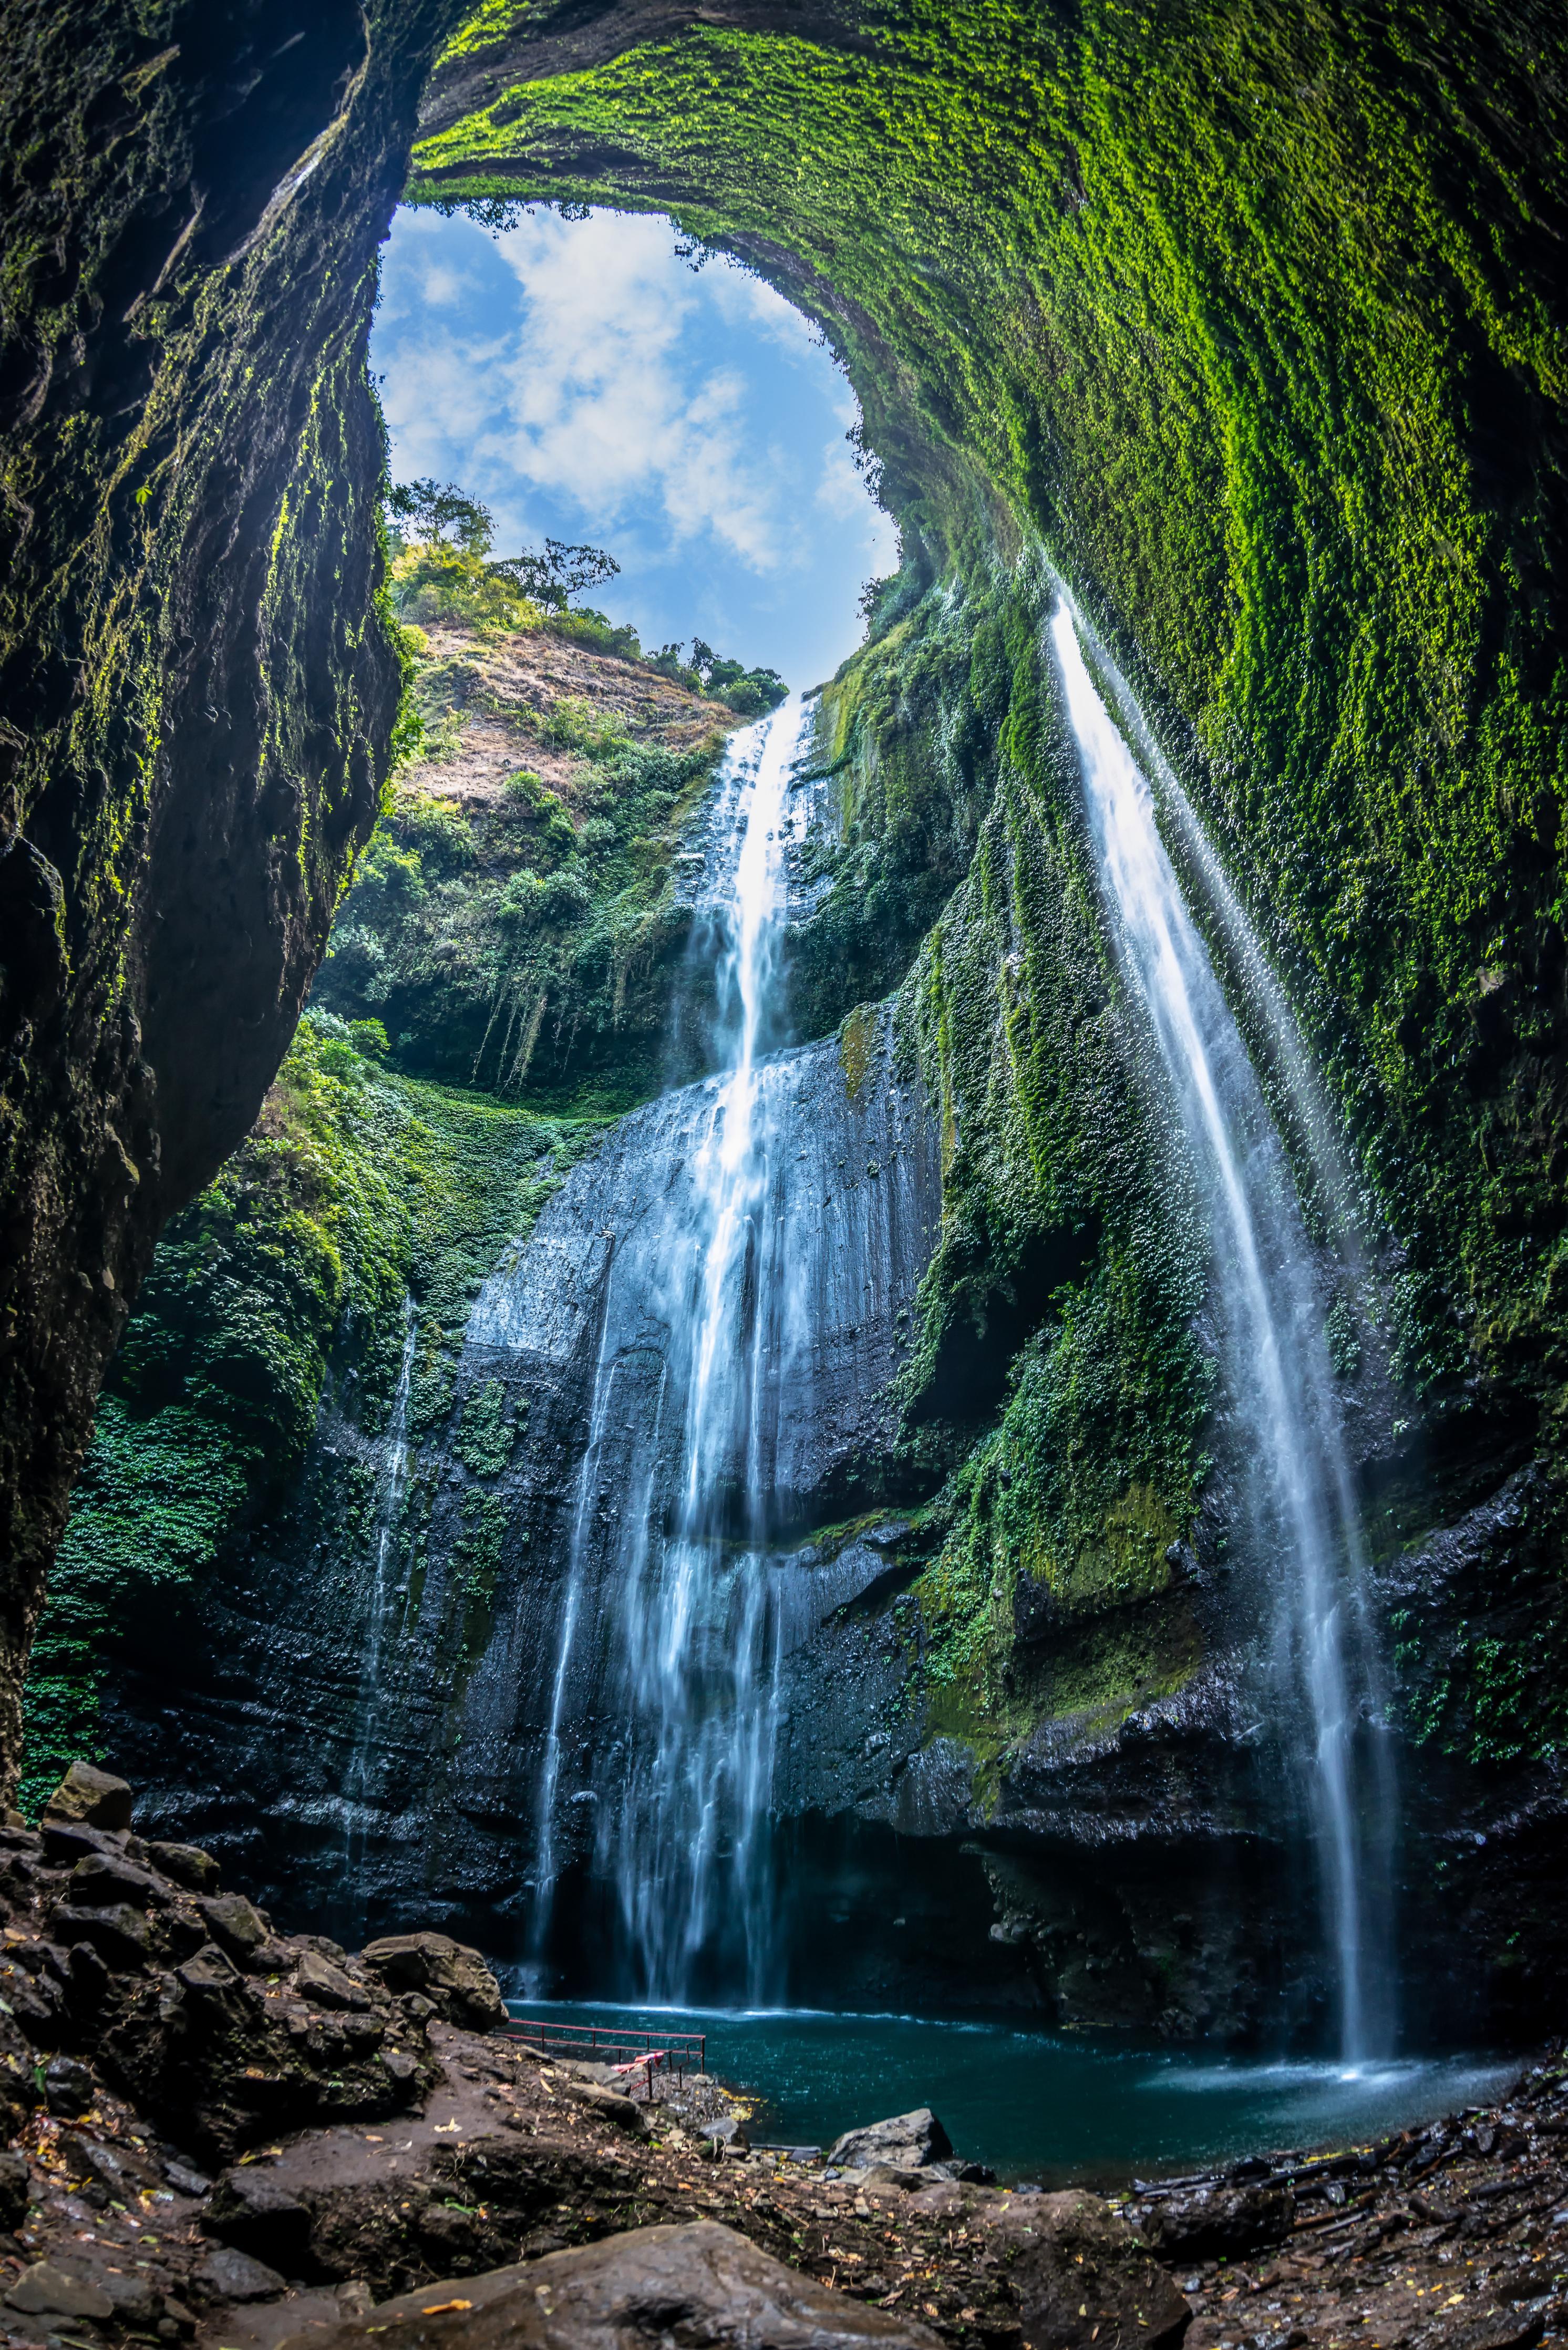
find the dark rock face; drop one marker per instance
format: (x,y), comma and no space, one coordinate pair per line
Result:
(191,2005)
(197,693)
(701,2282)
(1082,2274)
(405,1705)
(1221,2222)
(905,2141)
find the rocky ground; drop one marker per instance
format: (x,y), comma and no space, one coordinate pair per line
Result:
(228,2137)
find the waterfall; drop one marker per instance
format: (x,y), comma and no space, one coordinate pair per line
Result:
(1298,1487)
(391,1477)
(691,1630)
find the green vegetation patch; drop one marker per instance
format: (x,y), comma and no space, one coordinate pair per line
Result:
(359,1192)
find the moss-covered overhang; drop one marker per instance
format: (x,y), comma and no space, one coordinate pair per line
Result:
(1255,315)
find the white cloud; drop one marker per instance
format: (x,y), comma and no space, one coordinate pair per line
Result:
(583,382)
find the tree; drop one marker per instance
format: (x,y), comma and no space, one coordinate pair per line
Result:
(436,509)
(553,579)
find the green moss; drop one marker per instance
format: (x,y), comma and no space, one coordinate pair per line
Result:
(1254,320)
(520,943)
(359,1190)
(486,1436)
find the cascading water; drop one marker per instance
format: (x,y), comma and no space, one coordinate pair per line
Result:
(681,1822)
(1301,1504)
(391,1479)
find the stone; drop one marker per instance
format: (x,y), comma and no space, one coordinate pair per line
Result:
(454,1977)
(186,1865)
(125,2172)
(326,1985)
(904,2142)
(101,1879)
(242,1928)
(230,2275)
(208,1969)
(119,1933)
(1211,2222)
(185,2180)
(69,2087)
(256,2214)
(47,2290)
(94,1797)
(1081,2274)
(697,2283)
(15,2180)
(137,2300)
(610,2105)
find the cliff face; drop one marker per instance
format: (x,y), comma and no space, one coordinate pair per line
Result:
(197,685)
(1254,326)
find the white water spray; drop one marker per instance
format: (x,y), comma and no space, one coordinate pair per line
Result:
(391,1480)
(1301,1504)
(682,1824)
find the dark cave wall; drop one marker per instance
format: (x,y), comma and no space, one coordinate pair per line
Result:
(1265,340)
(197,685)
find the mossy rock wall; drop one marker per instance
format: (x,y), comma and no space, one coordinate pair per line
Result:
(197,681)
(1250,321)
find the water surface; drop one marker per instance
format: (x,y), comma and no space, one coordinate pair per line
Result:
(1046,2107)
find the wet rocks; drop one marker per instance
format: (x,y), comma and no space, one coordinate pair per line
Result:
(117,1968)
(1082,2276)
(94,1797)
(48,2289)
(230,2275)
(701,2282)
(454,1979)
(903,2142)
(1221,2221)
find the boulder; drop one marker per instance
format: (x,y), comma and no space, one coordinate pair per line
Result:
(904,2142)
(230,2275)
(69,2087)
(242,1928)
(256,2214)
(700,2283)
(326,1985)
(1211,2222)
(1082,2274)
(452,1977)
(47,2290)
(610,2105)
(15,2182)
(186,1865)
(93,1796)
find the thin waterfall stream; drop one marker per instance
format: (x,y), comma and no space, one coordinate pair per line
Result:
(692,1634)
(1299,1497)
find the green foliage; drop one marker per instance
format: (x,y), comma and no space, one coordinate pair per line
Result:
(1256,320)
(357,1190)
(525,945)
(438,581)
(486,1436)
(442,516)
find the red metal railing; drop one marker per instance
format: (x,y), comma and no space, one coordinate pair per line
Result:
(631,2052)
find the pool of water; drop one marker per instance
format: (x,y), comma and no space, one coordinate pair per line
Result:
(1041,2107)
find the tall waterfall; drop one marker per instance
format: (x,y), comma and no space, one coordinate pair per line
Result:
(695,1648)
(391,1479)
(1298,1487)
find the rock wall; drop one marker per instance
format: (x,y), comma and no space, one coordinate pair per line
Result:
(1256,326)
(197,683)
(382,1651)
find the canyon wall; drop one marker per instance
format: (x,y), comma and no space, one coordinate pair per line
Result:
(1249,323)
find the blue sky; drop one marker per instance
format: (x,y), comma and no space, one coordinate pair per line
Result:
(587,384)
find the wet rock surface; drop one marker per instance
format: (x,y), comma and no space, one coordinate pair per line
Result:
(332,2192)
(698,2282)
